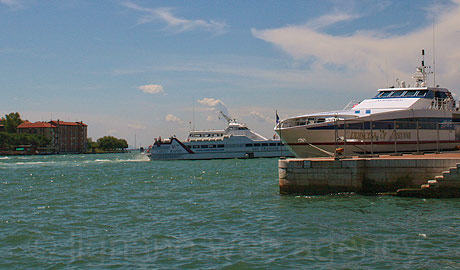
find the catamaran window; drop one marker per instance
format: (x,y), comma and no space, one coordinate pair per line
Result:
(212,146)
(194,146)
(300,121)
(397,93)
(421,93)
(385,93)
(440,94)
(410,93)
(204,146)
(272,144)
(279,144)
(249,145)
(310,121)
(265,144)
(321,120)
(220,146)
(256,144)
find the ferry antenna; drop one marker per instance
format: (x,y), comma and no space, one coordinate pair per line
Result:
(434,58)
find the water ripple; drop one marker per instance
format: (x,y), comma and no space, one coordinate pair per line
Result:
(122,211)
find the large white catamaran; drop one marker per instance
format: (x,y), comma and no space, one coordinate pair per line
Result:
(235,141)
(398,119)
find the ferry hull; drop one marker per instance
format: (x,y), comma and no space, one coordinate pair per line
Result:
(216,149)
(313,143)
(228,155)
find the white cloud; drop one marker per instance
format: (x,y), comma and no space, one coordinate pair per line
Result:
(11,3)
(152,88)
(174,23)
(368,57)
(215,106)
(330,19)
(173,118)
(260,117)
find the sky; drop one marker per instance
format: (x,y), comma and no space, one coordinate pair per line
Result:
(141,69)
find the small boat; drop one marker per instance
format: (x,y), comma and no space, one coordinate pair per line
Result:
(235,141)
(398,119)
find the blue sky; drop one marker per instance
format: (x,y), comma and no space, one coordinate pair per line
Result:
(150,67)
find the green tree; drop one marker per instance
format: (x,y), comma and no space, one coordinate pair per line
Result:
(111,143)
(9,141)
(91,146)
(11,121)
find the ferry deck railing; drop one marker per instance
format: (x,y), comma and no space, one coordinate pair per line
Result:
(365,136)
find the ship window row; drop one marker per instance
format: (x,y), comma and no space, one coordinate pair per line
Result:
(402,93)
(207,146)
(407,123)
(208,135)
(262,144)
(302,121)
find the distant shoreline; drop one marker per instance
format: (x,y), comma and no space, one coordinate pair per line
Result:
(21,153)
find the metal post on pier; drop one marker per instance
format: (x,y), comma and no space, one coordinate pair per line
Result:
(364,138)
(394,135)
(372,138)
(437,137)
(336,134)
(418,138)
(344,135)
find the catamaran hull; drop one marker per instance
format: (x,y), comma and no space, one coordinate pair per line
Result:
(203,156)
(313,143)
(216,149)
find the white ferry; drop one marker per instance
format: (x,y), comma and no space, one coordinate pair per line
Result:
(398,119)
(235,141)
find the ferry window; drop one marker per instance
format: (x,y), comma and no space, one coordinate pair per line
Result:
(256,144)
(265,144)
(321,120)
(311,121)
(301,122)
(410,93)
(220,146)
(212,146)
(194,146)
(397,93)
(249,145)
(272,144)
(385,93)
(279,144)
(440,94)
(204,146)
(421,93)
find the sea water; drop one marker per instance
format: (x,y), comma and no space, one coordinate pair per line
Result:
(121,211)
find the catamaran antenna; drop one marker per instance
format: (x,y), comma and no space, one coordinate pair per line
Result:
(434,58)
(193,116)
(229,120)
(423,58)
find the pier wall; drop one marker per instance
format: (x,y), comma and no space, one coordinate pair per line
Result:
(317,176)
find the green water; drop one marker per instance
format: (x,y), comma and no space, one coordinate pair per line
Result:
(120,211)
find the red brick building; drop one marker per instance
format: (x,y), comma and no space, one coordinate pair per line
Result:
(66,137)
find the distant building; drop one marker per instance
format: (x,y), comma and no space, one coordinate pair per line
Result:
(66,137)
(2,127)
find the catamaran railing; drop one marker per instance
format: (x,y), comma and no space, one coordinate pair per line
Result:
(362,136)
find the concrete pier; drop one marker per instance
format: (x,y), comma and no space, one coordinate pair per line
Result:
(429,175)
